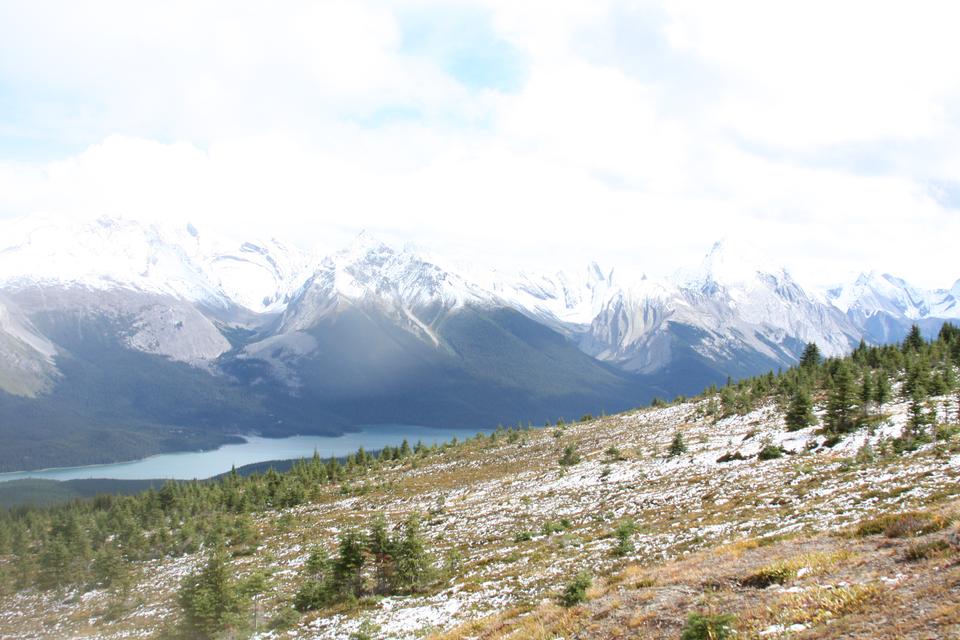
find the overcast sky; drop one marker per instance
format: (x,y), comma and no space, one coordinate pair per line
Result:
(542,132)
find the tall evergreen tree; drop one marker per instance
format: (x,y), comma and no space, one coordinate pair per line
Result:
(810,359)
(348,567)
(914,340)
(918,417)
(800,412)
(381,549)
(866,392)
(840,402)
(412,566)
(881,390)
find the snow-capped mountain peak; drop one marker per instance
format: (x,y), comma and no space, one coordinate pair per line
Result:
(180,261)
(730,264)
(873,292)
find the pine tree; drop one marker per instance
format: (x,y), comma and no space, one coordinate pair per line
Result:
(348,567)
(57,566)
(317,590)
(881,390)
(866,393)
(914,340)
(412,566)
(109,567)
(208,600)
(381,548)
(810,359)
(918,418)
(840,402)
(800,412)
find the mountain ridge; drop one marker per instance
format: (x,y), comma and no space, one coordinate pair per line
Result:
(269,339)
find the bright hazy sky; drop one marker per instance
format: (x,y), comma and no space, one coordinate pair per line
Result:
(538,132)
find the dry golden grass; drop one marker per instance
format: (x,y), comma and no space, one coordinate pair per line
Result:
(546,622)
(821,604)
(783,571)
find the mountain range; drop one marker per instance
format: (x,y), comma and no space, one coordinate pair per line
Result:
(119,338)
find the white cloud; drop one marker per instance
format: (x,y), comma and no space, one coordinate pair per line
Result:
(743,119)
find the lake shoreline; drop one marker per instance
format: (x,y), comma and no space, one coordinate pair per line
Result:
(255,449)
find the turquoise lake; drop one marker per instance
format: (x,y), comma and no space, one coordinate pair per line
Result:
(204,464)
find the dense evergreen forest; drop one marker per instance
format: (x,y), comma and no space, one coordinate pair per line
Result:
(105,541)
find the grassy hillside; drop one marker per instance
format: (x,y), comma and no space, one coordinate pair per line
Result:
(690,518)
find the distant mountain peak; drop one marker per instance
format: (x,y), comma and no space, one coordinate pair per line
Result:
(365,243)
(729,262)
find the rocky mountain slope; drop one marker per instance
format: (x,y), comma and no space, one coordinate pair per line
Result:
(811,543)
(315,344)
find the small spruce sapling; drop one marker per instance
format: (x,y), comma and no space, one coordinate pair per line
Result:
(576,591)
(570,456)
(677,446)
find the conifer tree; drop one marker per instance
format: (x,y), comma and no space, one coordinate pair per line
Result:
(108,566)
(381,548)
(914,340)
(570,456)
(624,531)
(208,600)
(348,567)
(412,566)
(881,390)
(866,392)
(318,589)
(810,359)
(57,565)
(840,402)
(918,417)
(800,412)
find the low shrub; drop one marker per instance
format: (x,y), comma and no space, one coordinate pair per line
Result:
(576,591)
(708,627)
(284,619)
(523,536)
(927,550)
(770,452)
(552,526)
(570,456)
(777,573)
(903,525)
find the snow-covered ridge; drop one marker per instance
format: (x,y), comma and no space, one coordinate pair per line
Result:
(872,292)
(263,275)
(735,299)
(179,261)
